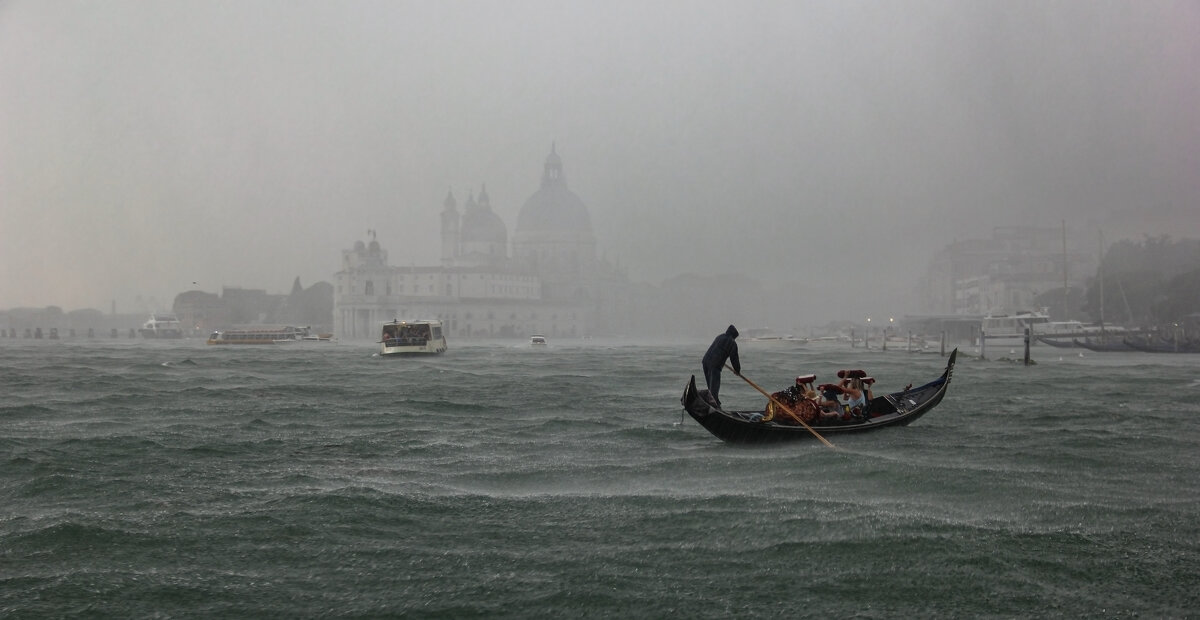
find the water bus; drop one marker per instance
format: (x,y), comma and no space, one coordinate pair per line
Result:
(537,340)
(162,325)
(423,337)
(259,335)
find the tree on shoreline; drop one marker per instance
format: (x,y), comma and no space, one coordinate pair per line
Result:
(1149,282)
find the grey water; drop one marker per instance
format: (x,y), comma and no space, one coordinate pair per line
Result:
(175,479)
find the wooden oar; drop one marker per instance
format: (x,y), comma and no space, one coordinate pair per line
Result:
(783,406)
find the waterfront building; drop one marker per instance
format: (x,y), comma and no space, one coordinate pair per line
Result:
(1006,273)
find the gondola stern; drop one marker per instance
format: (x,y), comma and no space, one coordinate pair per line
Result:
(689,393)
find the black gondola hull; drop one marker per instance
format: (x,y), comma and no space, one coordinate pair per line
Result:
(895,409)
(1102,346)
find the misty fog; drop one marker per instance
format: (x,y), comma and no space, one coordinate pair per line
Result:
(829,146)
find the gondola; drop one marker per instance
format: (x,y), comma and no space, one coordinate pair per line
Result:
(1102,346)
(1057,342)
(745,427)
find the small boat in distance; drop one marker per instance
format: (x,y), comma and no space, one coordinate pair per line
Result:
(162,325)
(422,337)
(259,335)
(537,340)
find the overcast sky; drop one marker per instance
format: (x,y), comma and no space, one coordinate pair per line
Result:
(147,145)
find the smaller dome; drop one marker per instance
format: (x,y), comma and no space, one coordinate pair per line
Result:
(480,224)
(359,246)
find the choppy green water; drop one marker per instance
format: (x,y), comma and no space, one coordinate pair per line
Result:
(175,479)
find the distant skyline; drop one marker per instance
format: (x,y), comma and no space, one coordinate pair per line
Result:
(146,145)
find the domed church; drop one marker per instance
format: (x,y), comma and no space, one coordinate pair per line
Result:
(552,282)
(478,238)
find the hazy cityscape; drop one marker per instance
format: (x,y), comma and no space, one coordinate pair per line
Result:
(552,278)
(599,309)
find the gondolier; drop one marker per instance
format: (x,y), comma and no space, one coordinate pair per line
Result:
(723,348)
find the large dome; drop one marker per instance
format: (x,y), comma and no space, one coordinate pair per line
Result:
(554,207)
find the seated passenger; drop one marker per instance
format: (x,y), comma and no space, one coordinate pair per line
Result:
(856,397)
(793,404)
(828,401)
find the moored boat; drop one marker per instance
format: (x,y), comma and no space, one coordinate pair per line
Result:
(1103,345)
(259,335)
(747,427)
(1008,330)
(1060,343)
(424,337)
(1062,334)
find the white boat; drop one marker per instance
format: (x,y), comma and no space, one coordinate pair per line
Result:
(259,335)
(162,325)
(537,340)
(424,337)
(1008,330)
(906,342)
(764,336)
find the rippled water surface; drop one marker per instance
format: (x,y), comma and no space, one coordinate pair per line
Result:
(177,479)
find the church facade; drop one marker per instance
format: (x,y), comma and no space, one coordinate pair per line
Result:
(546,280)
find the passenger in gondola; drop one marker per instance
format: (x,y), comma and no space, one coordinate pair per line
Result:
(856,395)
(791,403)
(804,386)
(828,401)
(796,403)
